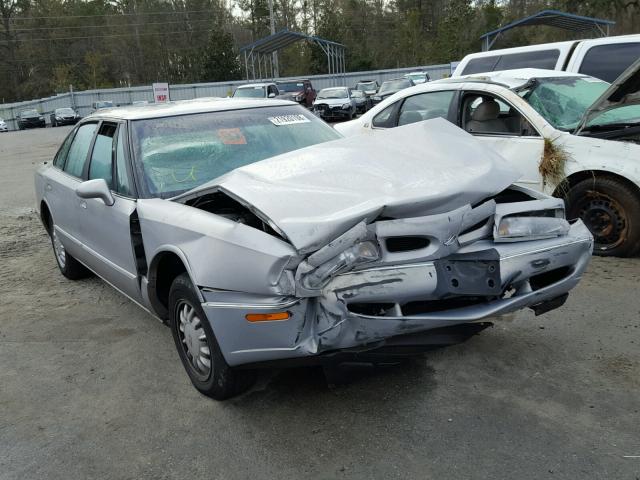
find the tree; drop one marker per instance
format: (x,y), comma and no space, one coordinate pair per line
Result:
(220,60)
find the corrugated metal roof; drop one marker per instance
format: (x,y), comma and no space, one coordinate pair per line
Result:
(555,18)
(282,39)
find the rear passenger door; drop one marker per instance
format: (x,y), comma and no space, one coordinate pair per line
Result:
(61,182)
(105,230)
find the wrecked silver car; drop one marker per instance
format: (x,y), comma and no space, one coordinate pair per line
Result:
(261,236)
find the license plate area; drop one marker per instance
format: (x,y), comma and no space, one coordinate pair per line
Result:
(469,277)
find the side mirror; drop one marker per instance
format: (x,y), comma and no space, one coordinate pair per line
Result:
(96,188)
(272,95)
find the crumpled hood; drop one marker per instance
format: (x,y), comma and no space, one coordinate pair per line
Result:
(316,193)
(624,91)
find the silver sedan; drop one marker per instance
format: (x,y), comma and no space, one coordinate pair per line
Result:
(259,235)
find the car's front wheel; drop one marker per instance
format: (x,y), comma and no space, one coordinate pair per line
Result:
(197,345)
(611,211)
(68,265)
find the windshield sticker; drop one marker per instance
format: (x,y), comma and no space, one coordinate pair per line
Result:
(231,136)
(288,120)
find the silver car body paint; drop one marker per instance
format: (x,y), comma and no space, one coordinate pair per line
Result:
(327,200)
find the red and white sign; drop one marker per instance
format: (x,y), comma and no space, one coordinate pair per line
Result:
(161,92)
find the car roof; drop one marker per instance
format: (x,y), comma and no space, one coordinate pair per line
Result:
(509,78)
(293,80)
(253,85)
(185,107)
(395,79)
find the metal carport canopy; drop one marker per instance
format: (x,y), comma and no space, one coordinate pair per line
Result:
(261,51)
(552,18)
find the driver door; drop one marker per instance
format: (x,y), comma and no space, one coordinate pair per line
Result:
(105,230)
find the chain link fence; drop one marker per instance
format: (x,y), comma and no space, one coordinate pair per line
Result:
(83,101)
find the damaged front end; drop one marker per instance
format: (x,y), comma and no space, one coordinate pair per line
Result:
(390,277)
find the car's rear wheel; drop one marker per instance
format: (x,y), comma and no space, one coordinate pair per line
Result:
(611,211)
(198,348)
(69,266)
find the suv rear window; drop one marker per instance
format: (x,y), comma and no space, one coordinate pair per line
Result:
(607,62)
(546,59)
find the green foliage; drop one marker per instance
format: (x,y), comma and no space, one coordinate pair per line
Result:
(45,45)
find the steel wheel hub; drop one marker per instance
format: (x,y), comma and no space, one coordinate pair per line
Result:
(58,248)
(604,219)
(194,340)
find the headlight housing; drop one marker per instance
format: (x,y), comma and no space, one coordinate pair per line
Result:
(522,228)
(359,253)
(346,106)
(377,97)
(299,98)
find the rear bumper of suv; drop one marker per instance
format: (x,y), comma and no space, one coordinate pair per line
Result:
(368,306)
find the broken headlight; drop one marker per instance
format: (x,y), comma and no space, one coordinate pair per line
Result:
(517,229)
(359,253)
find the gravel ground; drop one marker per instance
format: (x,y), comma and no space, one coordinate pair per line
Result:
(91,386)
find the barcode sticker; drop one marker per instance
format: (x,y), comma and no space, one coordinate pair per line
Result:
(288,119)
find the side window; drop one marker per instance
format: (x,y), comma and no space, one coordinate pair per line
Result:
(546,59)
(122,183)
(607,62)
(79,150)
(486,114)
(63,151)
(102,155)
(425,106)
(386,118)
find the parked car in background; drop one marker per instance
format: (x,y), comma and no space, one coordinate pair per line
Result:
(604,58)
(64,116)
(369,87)
(389,87)
(335,103)
(363,103)
(257,90)
(300,91)
(30,119)
(259,235)
(570,135)
(102,104)
(418,77)
(3,126)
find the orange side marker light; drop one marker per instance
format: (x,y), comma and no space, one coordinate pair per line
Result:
(267,317)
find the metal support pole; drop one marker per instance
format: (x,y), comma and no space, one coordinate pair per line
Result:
(274,55)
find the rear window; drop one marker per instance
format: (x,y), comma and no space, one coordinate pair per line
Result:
(546,59)
(175,154)
(607,62)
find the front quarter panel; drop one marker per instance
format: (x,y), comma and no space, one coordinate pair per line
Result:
(218,253)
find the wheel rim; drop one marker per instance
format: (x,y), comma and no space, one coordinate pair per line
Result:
(193,340)
(58,249)
(605,218)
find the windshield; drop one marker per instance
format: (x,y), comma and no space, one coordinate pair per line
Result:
(29,112)
(291,87)
(249,92)
(394,85)
(417,76)
(365,86)
(175,154)
(333,93)
(65,110)
(563,102)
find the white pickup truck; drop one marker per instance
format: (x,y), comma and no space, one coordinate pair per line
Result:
(604,58)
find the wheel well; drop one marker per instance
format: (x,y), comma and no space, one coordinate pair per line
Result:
(164,269)
(45,216)
(568,183)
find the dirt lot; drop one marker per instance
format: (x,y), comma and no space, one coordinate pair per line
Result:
(91,386)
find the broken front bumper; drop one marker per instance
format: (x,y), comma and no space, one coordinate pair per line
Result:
(364,307)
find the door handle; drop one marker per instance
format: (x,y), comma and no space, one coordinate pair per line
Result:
(83,204)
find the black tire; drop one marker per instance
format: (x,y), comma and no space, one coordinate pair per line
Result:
(69,267)
(610,209)
(220,381)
